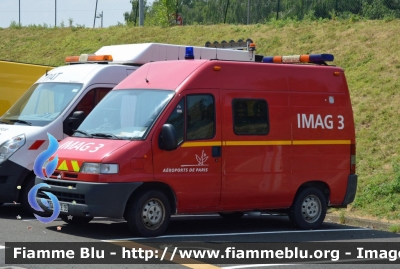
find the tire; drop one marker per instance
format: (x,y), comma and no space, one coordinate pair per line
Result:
(76,220)
(232,215)
(148,215)
(309,209)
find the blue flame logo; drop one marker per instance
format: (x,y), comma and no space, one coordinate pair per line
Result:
(50,166)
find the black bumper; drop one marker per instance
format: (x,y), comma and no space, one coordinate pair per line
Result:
(351,190)
(90,199)
(12,175)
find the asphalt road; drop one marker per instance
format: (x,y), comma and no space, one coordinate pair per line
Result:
(194,229)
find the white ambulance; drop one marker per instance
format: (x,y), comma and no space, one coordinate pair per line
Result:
(59,101)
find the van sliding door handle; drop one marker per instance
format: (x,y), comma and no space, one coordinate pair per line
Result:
(216,151)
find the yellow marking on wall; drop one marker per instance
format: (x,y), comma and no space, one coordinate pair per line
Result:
(321,142)
(75,166)
(201,144)
(257,143)
(63,166)
(266,143)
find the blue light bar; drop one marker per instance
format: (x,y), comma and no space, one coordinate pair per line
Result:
(189,55)
(321,58)
(268,59)
(305,58)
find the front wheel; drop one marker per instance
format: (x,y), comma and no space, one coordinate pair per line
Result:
(309,209)
(148,215)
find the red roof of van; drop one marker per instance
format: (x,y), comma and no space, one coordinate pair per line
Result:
(169,75)
(160,75)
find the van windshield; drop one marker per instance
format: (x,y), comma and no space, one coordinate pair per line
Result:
(125,114)
(41,104)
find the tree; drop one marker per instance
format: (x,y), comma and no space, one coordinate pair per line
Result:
(133,16)
(162,11)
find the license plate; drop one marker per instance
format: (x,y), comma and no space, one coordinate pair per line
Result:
(63,207)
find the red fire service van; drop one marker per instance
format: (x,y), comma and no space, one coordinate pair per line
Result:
(196,136)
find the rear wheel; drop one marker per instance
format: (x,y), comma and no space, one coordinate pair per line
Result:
(148,215)
(309,209)
(231,215)
(74,220)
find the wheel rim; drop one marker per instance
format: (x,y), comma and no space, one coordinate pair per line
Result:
(311,208)
(153,214)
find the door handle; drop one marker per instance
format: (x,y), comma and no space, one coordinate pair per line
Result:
(216,151)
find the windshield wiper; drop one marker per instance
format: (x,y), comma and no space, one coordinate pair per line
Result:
(106,135)
(83,132)
(21,121)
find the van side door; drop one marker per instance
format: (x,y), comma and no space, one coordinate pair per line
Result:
(256,150)
(193,170)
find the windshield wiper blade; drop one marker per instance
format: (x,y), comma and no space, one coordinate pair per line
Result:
(106,135)
(21,121)
(83,132)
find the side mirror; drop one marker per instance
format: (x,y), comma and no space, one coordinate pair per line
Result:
(76,119)
(168,139)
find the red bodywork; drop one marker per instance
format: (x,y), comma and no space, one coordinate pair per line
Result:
(254,172)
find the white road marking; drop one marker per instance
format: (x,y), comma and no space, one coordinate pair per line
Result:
(2,247)
(229,234)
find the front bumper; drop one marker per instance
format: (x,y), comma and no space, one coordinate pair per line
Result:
(89,199)
(12,175)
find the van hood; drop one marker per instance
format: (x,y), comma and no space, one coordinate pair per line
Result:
(9,131)
(73,151)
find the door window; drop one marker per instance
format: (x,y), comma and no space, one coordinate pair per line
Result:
(200,117)
(177,120)
(250,116)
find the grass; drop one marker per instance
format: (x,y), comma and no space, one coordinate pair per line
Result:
(394,228)
(367,50)
(342,217)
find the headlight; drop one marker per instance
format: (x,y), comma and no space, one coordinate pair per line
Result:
(106,168)
(10,146)
(100,168)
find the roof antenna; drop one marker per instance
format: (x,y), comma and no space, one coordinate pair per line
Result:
(147,81)
(216,53)
(179,50)
(47,70)
(201,50)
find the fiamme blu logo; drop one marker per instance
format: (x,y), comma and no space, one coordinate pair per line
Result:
(43,168)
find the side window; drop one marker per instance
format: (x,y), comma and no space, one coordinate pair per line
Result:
(250,116)
(100,93)
(177,120)
(200,117)
(91,99)
(86,104)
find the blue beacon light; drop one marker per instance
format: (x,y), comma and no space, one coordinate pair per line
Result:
(189,55)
